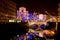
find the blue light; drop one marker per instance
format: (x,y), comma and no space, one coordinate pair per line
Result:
(42,26)
(29,36)
(36,18)
(23,18)
(29,16)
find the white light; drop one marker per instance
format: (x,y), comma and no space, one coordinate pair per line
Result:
(17,35)
(11,20)
(41,16)
(41,34)
(18,21)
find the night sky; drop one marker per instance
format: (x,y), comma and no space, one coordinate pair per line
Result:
(39,5)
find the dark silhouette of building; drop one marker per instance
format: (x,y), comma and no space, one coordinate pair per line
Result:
(10,30)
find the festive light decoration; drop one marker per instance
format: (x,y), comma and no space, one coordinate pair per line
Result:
(23,14)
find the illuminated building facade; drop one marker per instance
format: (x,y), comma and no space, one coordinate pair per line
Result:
(7,10)
(23,14)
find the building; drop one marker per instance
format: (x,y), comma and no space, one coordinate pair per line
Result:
(59,12)
(7,10)
(22,13)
